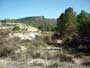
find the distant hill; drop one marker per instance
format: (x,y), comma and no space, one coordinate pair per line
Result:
(34,19)
(37,20)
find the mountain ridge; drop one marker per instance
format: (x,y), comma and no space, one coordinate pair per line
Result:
(34,19)
(38,19)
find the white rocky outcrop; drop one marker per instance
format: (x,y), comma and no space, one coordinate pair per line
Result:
(27,32)
(24,36)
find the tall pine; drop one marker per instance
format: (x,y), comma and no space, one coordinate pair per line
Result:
(67,22)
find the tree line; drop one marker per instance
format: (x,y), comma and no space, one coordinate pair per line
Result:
(70,23)
(74,29)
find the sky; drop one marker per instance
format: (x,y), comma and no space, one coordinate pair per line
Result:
(48,8)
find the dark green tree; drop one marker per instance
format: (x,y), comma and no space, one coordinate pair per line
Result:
(67,22)
(83,16)
(61,27)
(84,24)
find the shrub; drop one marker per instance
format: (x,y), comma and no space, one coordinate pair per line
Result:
(16,28)
(6,45)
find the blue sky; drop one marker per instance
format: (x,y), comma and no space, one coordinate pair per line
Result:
(47,8)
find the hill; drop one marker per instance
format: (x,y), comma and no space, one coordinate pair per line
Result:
(37,19)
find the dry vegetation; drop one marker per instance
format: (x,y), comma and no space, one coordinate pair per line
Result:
(16,53)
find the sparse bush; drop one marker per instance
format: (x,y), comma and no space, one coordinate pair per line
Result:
(65,58)
(16,28)
(6,45)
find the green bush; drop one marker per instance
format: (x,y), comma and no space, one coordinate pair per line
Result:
(16,28)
